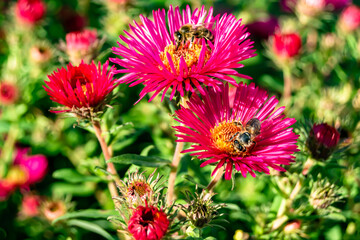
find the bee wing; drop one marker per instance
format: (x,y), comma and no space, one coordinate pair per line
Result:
(205,25)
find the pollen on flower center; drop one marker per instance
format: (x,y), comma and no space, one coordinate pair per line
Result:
(221,134)
(190,53)
(138,188)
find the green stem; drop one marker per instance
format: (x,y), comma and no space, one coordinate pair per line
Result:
(287,83)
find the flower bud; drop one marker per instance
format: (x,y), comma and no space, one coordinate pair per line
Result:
(349,19)
(6,187)
(286,46)
(30,205)
(200,210)
(322,141)
(8,93)
(310,8)
(292,226)
(30,11)
(323,194)
(148,222)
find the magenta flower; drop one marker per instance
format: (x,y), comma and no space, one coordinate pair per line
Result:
(215,129)
(84,90)
(30,11)
(153,57)
(34,165)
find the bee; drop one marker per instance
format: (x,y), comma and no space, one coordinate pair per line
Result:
(190,32)
(244,139)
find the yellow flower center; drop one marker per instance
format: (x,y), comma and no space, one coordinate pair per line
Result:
(221,135)
(138,188)
(190,54)
(17,175)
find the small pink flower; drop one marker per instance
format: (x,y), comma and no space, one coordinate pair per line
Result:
(286,46)
(213,126)
(40,54)
(8,93)
(30,11)
(148,222)
(350,18)
(30,205)
(83,90)
(81,46)
(153,58)
(292,226)
(53,209)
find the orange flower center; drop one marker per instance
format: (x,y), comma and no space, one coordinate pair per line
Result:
(138,188)
(221,135)
(190,53)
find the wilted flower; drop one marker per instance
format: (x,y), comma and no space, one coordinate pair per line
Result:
(84,90)
(323,194)
(350,19)
(148,222)
(82,45)
(53,209)
(8,93)
(40,54)
(30,205)
(263,28)
(154,59)
(286,45)
(201,210)
(71,20)
(322,141)
(30,11)
(137,190)
(218,131)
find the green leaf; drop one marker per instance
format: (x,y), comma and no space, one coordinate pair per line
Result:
(140,160)
(85,189)
(90,227)
(192,180)
(72,176)
(88,213)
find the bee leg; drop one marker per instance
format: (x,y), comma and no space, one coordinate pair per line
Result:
(233,137)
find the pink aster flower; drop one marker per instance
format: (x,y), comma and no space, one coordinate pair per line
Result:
(153,58)
(30,11)
(215,129)
(84,90)
(148,222)
(82,45)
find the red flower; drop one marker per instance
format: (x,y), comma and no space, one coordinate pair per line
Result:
(214,129)
(8,93)
(148,222)
(286,45)
(350,18)
(30,11)
(6,187)
(30,205)
(83,90)
(322,140)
